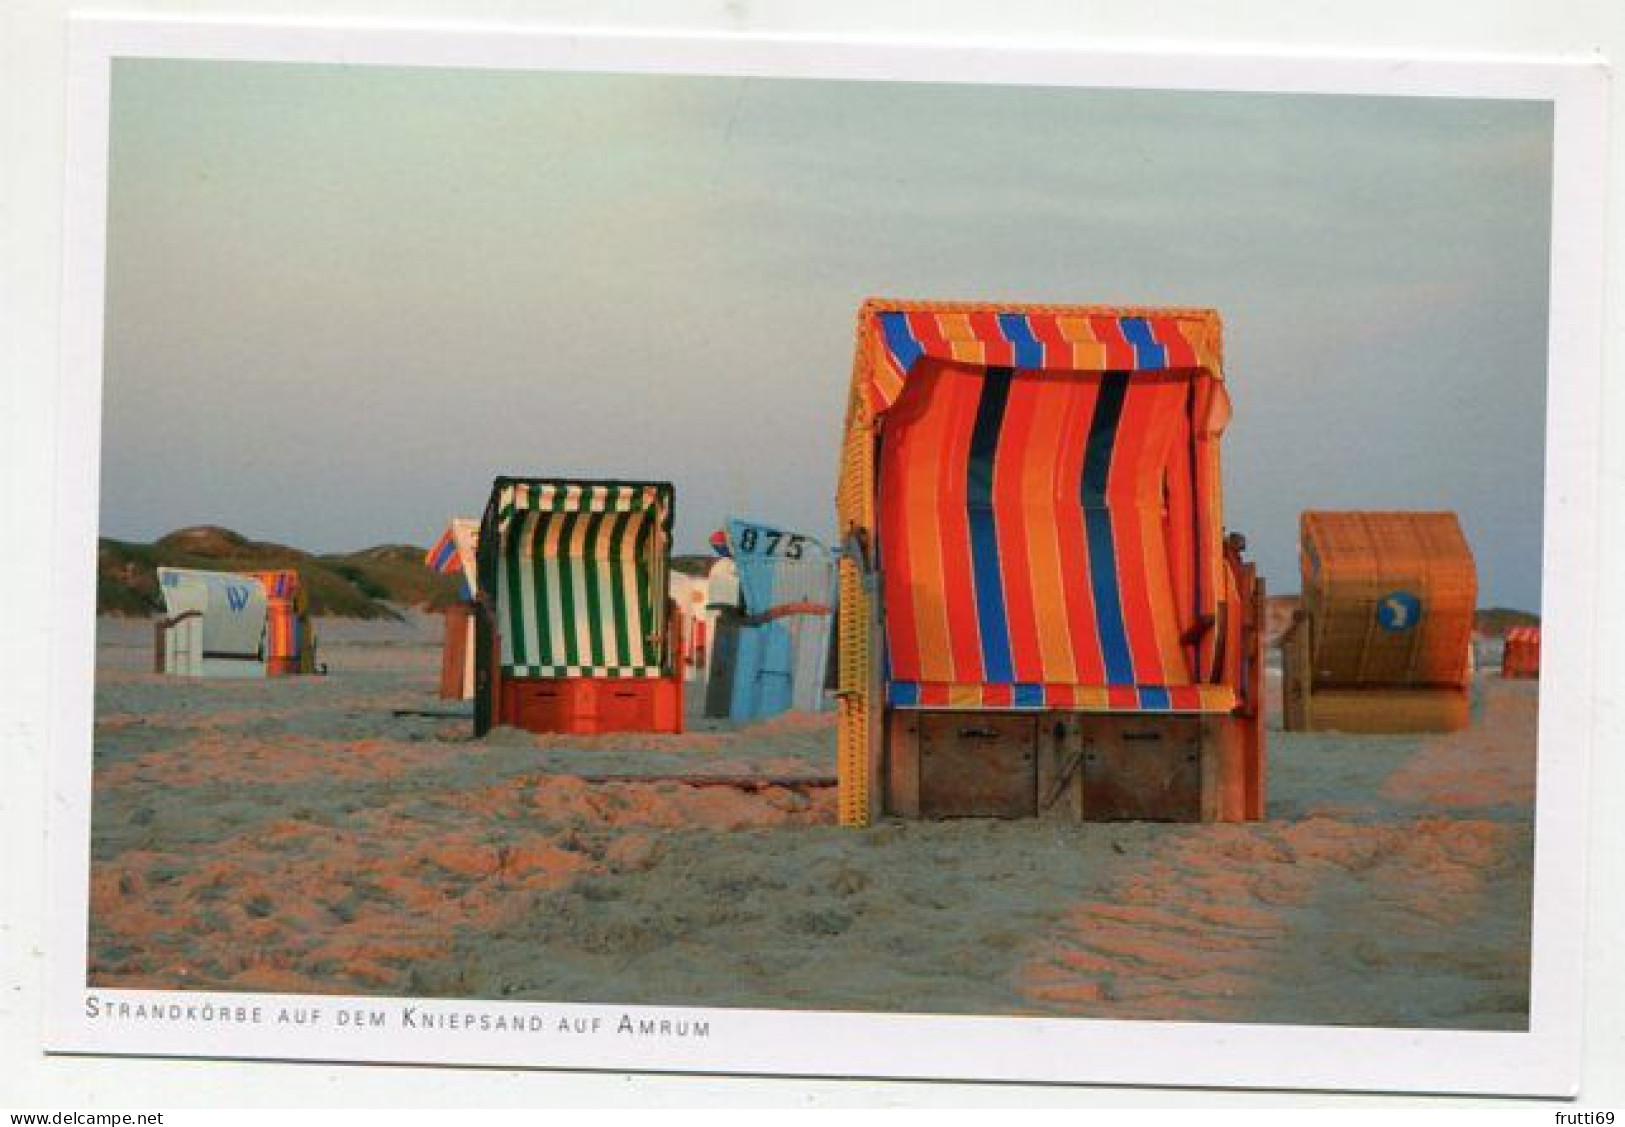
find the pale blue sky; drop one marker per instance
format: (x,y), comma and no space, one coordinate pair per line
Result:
(342,299)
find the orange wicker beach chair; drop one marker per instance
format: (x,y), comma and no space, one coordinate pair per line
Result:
(1382,640)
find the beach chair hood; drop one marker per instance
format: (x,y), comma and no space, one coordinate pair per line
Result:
(232,607)
(780,572)
(578,575)
(455,553)
(1037,490)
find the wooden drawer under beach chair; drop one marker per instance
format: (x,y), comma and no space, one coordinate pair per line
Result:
(1066,766)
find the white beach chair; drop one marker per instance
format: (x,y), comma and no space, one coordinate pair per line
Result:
(214,624)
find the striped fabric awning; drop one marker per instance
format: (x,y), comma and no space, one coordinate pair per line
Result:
(280,584)
(455,553)
(581,574)
(1047,340)
(442,555)
(283,634)
(1047,509)
(285,596)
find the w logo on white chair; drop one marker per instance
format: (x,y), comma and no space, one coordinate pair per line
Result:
(214,623)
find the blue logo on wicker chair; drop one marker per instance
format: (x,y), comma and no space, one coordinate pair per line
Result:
(1399,611)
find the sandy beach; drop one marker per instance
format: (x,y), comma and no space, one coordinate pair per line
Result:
(324,835)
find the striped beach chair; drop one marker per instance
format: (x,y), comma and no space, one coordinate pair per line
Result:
(575,630)
(454,554)
(290,640)
(1040,611)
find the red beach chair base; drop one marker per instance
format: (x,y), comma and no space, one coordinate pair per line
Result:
(591,706)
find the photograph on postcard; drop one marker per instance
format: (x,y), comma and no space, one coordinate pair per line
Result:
(796,544)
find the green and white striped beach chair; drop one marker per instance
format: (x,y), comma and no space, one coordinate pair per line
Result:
(575,629)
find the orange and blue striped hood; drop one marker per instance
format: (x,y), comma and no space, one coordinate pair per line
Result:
(1045,501)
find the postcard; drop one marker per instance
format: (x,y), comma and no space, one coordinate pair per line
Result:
(748,554)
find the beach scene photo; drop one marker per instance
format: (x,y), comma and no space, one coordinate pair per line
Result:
(820,545)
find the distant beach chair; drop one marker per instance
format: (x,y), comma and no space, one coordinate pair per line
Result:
(727,615)
(290,639)
(1520,654)
(1040,611)
(1382,639)
(574,628)
(214,624)
(454,553)
(787,580)
(690,594)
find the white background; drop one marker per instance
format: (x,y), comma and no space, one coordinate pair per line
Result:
(32,58)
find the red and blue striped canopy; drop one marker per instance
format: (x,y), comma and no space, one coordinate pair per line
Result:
(1061,340)
(454,553)
(442,556)
(285,609)
(280,584)
(1046,508)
